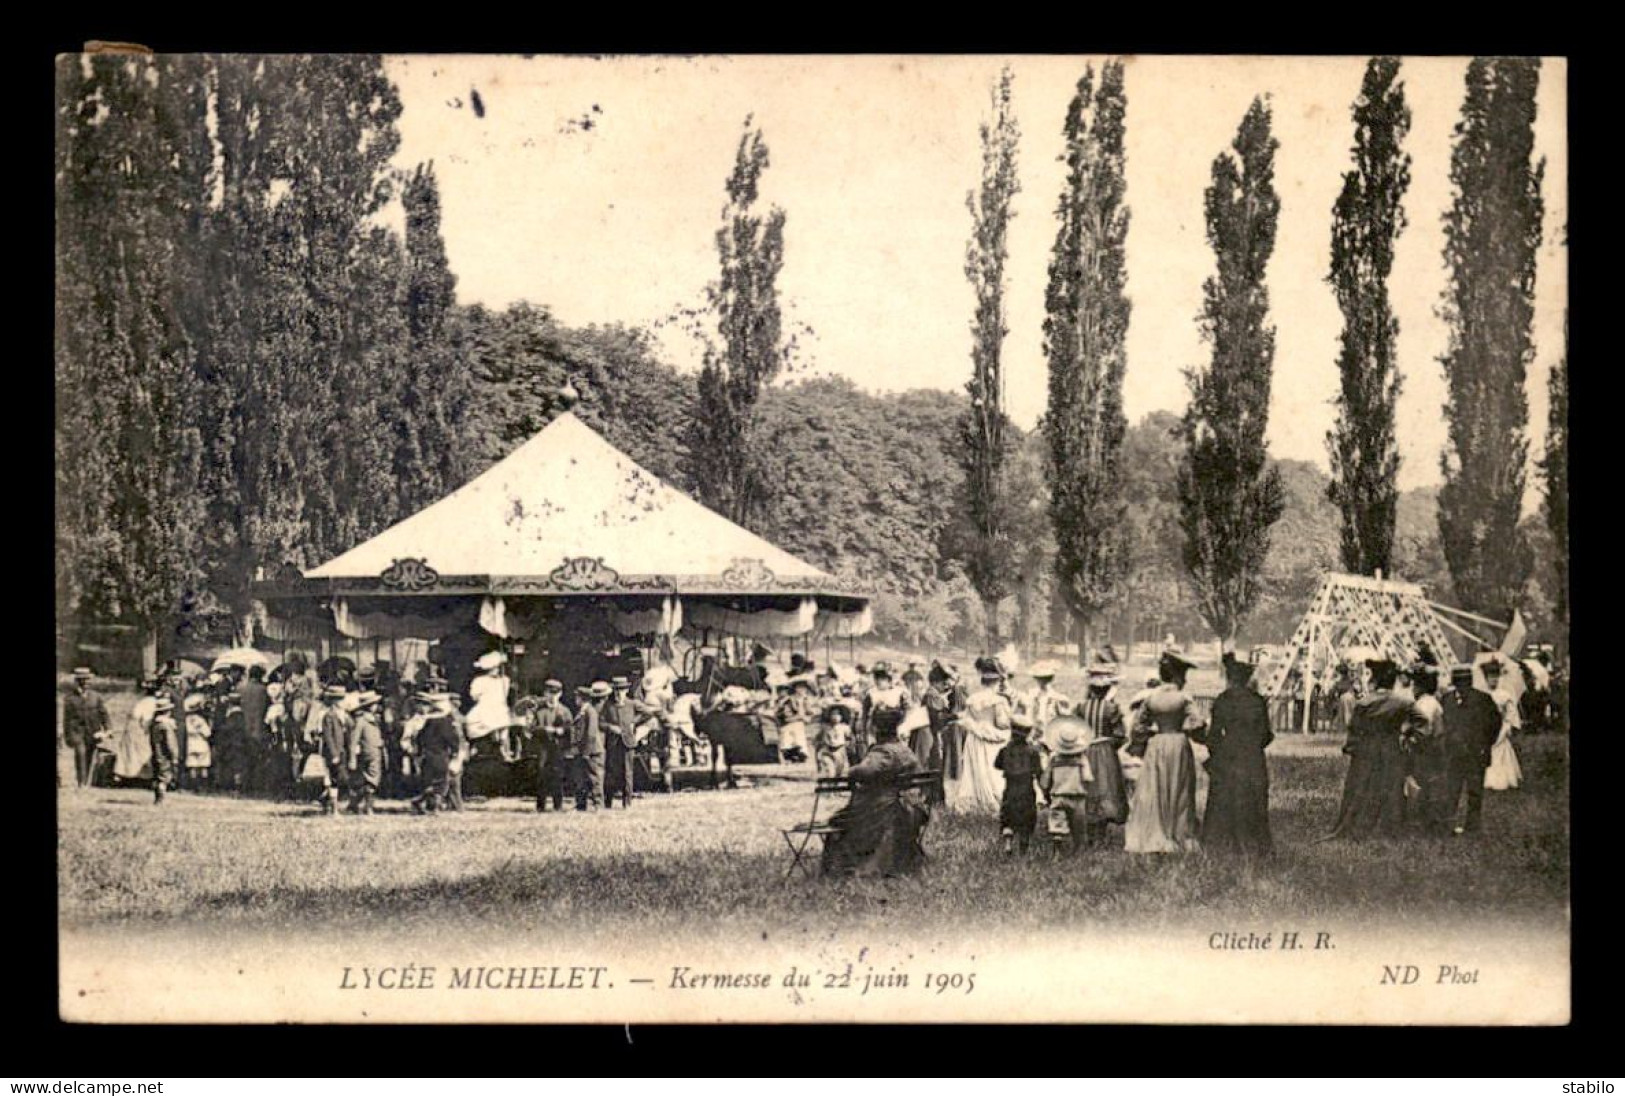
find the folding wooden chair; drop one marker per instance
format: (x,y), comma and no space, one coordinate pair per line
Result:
(800,836)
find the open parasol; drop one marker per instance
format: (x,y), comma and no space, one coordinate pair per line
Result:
(243,658)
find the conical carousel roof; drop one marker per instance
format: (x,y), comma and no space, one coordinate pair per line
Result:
(565,510)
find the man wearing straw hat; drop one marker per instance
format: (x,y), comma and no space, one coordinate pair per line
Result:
(550,723)
(164,737)
(364,752)
(335,733)
(84,724)
(586,752)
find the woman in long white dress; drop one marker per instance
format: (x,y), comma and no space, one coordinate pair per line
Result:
(1162,817)
(1504,772)
(986,722)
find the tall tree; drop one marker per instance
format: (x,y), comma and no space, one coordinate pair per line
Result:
(1366,222)
(1084,329)
(1492,236)
(1229,495)
(305,341)
(435,394)
(129,188)
(989,560)
(1555,471)
(723,445)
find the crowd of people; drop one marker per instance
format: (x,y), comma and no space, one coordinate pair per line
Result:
(1420,759)
(1043,763)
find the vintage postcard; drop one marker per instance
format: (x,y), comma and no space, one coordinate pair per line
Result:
(758,538)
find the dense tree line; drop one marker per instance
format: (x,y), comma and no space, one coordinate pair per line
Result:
(253,369)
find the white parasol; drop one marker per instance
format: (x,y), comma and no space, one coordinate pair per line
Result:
(244,657)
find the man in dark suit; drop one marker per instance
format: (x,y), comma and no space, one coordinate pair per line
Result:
(586,754)
(256,701)
(84,724)
(1471,722)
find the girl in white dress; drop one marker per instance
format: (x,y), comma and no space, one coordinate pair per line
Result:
(986,722)
(490,714)
(1504,772)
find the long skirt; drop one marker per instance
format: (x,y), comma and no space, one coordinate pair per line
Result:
(1108,792)
(1238,807)
(1163,817)
(1374,793)
(980,786)
(877,834)
(1504,772)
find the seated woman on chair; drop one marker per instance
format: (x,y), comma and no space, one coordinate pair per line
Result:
(878,832)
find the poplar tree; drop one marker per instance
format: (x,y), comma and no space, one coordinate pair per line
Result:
(1492,237)
(127,445)
(989,558)
(723,435)
(1087,314)
(1367,220)
(1229,494)
(435,391)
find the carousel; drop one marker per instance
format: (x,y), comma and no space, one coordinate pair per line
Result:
(564,560)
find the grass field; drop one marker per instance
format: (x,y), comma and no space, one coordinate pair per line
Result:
(712,862)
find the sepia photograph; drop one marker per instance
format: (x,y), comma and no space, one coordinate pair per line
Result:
(804,539)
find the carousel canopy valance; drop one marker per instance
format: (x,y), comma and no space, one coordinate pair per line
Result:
(565,515)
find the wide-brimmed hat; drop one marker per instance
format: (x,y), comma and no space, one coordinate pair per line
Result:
(164,704)
(1044,669)
(490,660)
(552,685)
(1070,738)
(333,692)
(82,672)
(350,703)
(1107,670)
(1175,656)
(193,703)
(366,699)
(619,681)
(599,689)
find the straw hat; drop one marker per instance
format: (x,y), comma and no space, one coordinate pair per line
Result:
(490,660)
(1070,738)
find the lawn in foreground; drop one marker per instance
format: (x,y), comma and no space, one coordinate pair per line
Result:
(713,862)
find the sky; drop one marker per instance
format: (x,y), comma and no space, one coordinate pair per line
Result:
(595,187)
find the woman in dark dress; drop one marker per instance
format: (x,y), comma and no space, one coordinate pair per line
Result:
(878,832)
(942,705)
(1238,818)
(1374,794)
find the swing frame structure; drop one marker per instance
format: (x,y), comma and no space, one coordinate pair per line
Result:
(1394,618)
